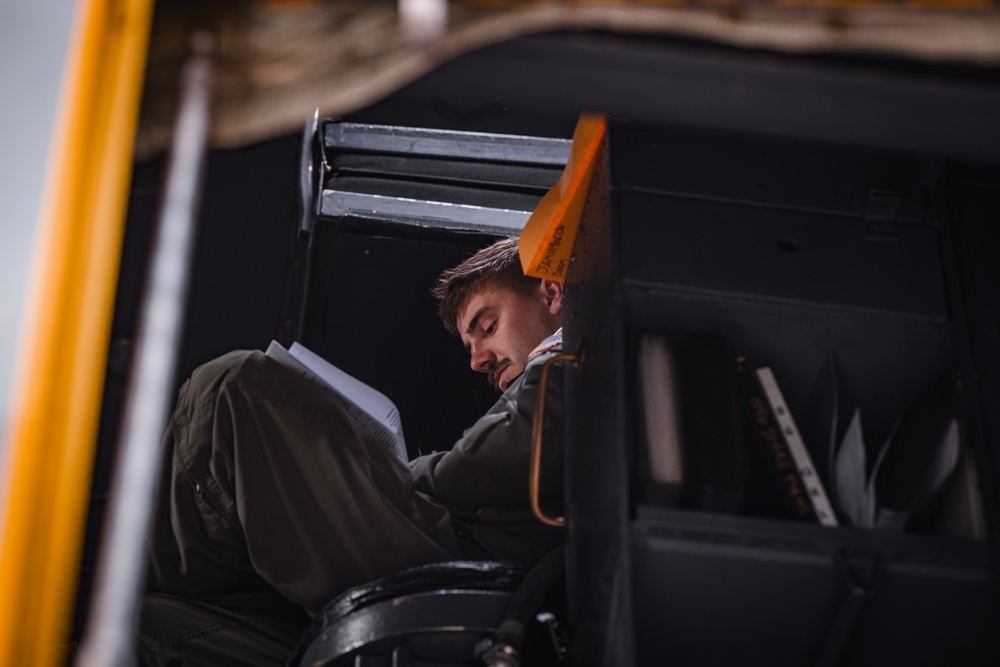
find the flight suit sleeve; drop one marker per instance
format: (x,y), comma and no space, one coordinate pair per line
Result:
(484,478)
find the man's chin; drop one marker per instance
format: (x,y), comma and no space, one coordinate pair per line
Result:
(504,377)
(496,378)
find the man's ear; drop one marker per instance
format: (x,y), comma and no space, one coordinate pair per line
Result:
(552,290)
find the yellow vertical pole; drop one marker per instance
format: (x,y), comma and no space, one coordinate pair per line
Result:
(58,383)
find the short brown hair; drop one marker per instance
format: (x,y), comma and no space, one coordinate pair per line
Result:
(497,265)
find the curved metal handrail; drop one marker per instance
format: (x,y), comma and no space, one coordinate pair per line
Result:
(537,432)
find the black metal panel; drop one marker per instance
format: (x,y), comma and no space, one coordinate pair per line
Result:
(455,144)
(448,180)
(430,191)
(787,284)
(717,590)
(707,588)
(244,260)
(769,171)
(531,178)
(381,211)
(596,457)
(779,254)
(974,210)
(369,311)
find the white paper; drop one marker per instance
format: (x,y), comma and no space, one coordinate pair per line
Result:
(373,410)
(850,483)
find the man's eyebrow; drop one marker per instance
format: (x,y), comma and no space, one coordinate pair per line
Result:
(475,319)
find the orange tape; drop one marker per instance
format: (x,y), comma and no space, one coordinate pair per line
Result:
(546,242)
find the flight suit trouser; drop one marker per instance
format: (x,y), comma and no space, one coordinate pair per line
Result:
(271,494)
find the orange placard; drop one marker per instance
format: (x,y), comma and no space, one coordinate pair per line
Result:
(546,242)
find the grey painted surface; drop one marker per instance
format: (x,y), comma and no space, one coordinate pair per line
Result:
(34,40)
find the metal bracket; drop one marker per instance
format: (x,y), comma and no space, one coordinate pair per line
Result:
(311,164)
(483,146)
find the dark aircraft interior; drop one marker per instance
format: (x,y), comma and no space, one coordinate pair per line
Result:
(802,207)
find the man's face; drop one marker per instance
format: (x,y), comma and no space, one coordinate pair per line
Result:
(500,328)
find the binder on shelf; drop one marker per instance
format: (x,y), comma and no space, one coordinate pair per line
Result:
(781,451)
(694,445)
(718,468)
(661,464)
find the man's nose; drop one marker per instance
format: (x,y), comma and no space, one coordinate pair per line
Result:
(481,357)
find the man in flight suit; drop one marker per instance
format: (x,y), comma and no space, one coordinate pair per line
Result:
(273,501)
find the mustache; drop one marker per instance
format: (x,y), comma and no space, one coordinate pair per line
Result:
(493,370)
